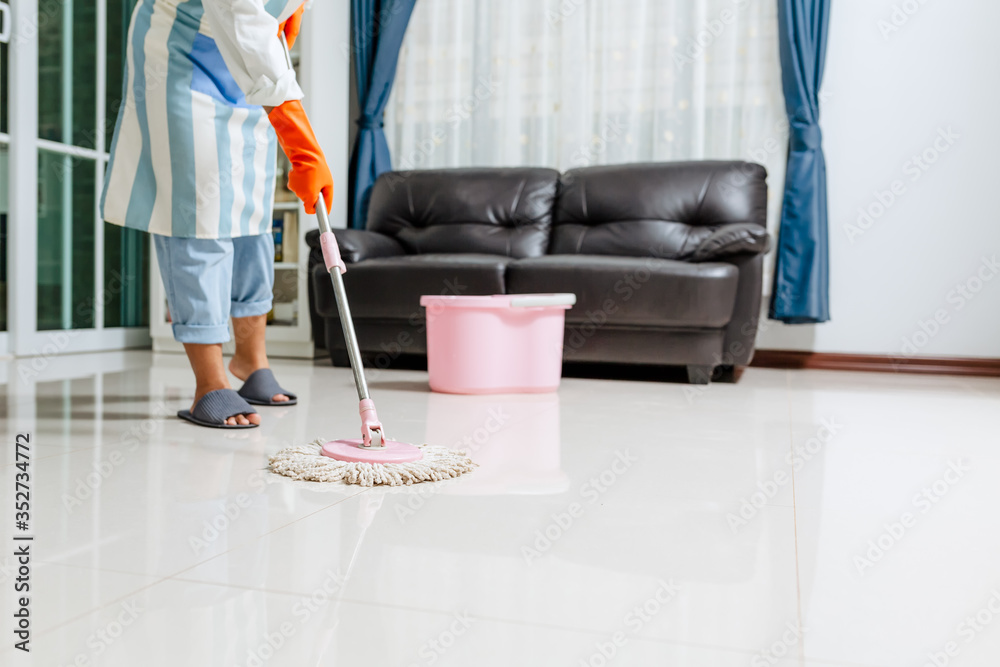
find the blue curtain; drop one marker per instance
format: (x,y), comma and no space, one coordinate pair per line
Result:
(377,29)
(802,271)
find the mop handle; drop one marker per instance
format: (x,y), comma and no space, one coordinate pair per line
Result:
(346,321)
(350,337)
(284,45)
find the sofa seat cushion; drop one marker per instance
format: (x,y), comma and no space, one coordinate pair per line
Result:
(503,211)
(391,287)
(664,209)
(633,290)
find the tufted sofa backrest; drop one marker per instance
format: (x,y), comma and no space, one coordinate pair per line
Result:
(661,209)
(474,210)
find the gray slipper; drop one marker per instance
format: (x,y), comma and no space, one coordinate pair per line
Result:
(215,407)
(261,386)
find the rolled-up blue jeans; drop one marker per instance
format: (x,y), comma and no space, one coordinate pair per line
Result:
(209,280)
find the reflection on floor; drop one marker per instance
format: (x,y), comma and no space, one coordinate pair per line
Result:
(795,518)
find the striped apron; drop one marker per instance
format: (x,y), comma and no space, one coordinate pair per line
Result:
(189,156)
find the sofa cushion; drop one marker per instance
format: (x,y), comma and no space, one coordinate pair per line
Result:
(632,290)
(663,210)
(391,287)
(736,239)
(497,211)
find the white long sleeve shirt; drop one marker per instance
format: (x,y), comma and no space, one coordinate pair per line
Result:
(246,36)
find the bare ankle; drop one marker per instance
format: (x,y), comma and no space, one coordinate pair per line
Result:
(242,365)
(206,362)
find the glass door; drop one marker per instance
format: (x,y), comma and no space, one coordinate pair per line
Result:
(91,275)
(88,284)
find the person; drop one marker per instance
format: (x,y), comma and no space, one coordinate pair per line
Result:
(208,95)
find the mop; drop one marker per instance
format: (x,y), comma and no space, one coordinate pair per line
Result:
(373,459)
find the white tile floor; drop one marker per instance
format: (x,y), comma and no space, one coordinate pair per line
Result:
(161,543)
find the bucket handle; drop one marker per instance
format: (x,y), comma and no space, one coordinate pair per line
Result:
(542,300)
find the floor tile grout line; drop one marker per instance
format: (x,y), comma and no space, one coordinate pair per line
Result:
(77,450)
(57,563)
(174,574)
(497,619)
(176,577)
(238,546)
(479,617)
(790,408)
(103,606)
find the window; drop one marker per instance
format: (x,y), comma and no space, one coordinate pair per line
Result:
(78,103)
(568,83)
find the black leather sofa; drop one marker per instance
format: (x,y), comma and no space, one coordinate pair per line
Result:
(665,258)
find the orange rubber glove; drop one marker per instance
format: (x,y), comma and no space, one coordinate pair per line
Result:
(291,25)
(310,174)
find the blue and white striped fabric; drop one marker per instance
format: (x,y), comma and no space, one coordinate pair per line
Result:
(189,157)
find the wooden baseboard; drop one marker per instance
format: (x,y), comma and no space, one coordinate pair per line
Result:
(874,363)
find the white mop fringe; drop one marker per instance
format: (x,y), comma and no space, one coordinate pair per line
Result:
(305,462)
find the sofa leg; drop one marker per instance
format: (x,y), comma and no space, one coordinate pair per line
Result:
(724,374)
(699,374)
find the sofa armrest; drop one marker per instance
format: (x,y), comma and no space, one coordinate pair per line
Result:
(357,245)
(737,238)
(741,333)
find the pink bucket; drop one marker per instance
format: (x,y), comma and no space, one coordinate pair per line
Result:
(503,344)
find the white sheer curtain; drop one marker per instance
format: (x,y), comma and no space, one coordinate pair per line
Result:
(568,83)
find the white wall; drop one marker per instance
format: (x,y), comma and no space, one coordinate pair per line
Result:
(326,76)
(888,97)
